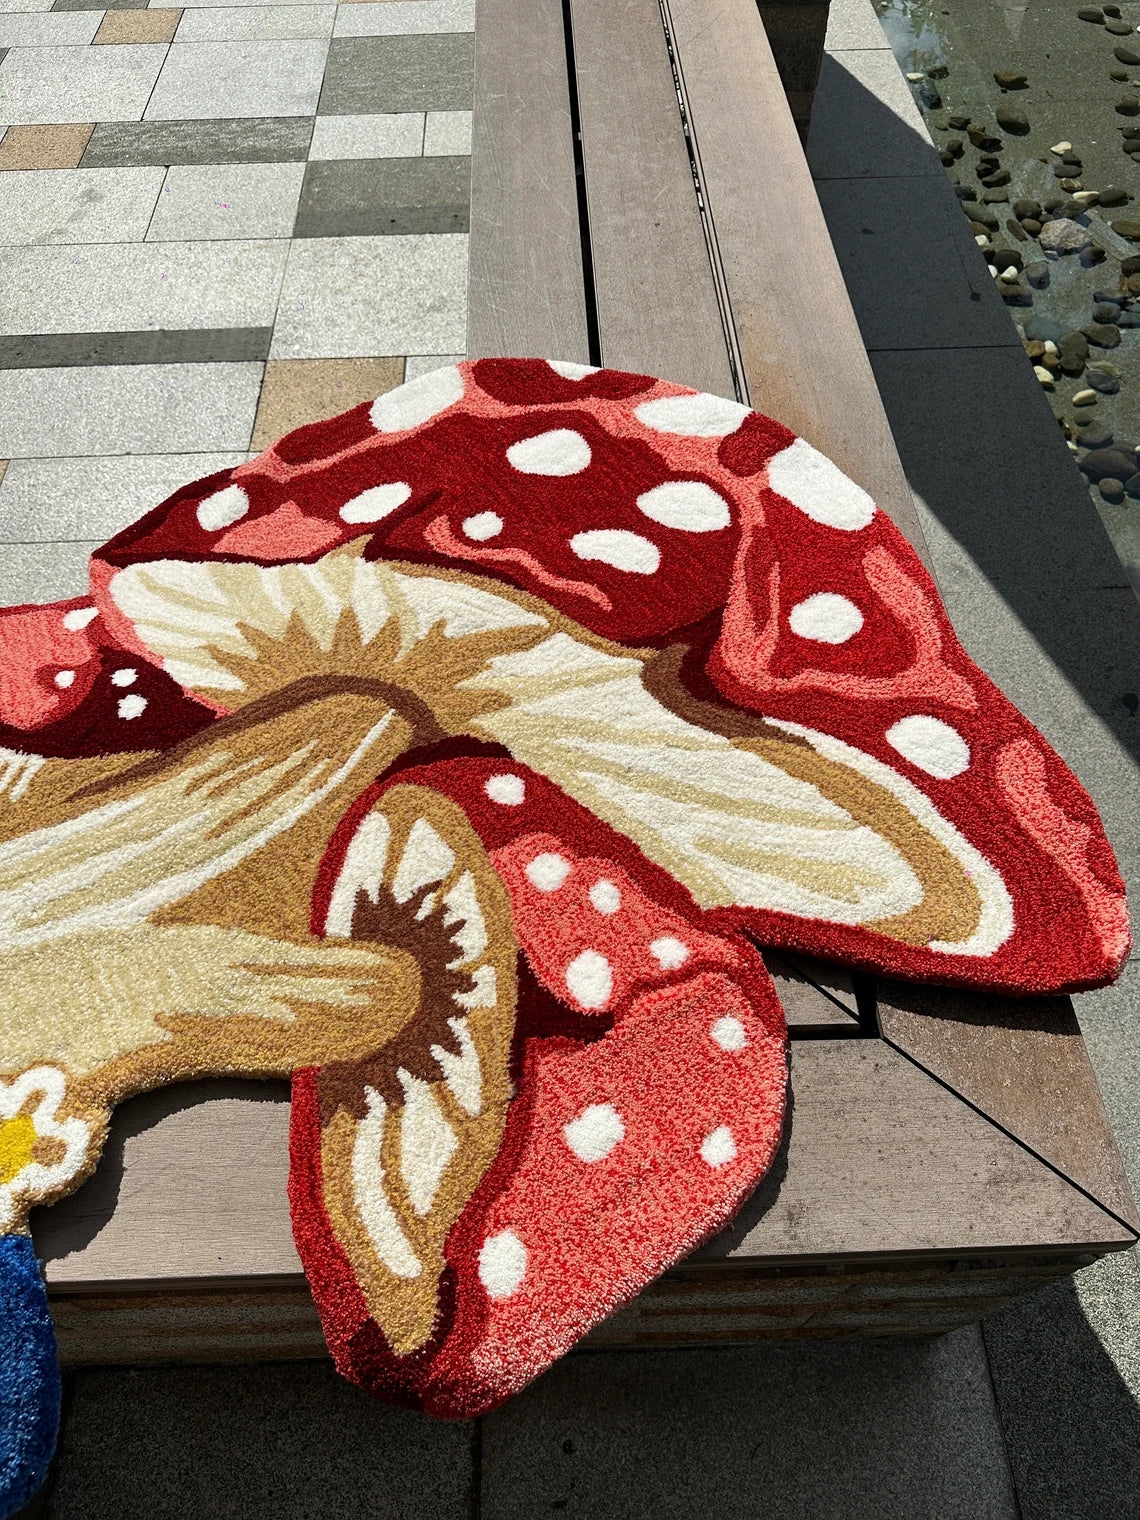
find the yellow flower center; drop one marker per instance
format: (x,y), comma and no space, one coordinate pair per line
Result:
(17,1141)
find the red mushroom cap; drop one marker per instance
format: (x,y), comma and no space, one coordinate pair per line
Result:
(651,514)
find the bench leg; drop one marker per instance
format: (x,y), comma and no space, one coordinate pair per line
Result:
(796,31)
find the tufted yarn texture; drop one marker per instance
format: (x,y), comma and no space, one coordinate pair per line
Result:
(454,757)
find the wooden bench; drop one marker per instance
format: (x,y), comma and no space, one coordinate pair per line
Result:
(945,1151)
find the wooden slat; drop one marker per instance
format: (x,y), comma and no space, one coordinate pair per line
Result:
(880,1159)
(804,1002)
(525,284)
(657,305)
(803,358)
(1021,1061)
(687,1307)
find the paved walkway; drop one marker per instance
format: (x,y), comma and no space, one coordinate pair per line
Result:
(230,219)
(216,222)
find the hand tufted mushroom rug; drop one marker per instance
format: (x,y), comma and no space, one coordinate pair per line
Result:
(453,757)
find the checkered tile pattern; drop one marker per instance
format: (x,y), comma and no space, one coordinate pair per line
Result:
(217,221)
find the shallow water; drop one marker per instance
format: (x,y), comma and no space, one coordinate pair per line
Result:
(1069,98)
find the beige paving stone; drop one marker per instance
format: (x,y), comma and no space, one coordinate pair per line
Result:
(138,26)
(3,470)
(296,391)
(54,147)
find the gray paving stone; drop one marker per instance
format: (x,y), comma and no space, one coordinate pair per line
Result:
(853,24)
(251,23)
(1066,1372)
(25,5)
(193,345)
(447,132)
(227,201)
(372,296)
(914,273)
(293,1441)
(37,29)
(423,364)
(44,572)
(237,79)
(259,140)
(368,75)
(386,20)
(1110,1023)
(77,205)
(97,5)
(1027,573)
(41,85)
(132,286)
(49,500)
(385,196)
(130,409)
(885,1430)
(864,120)
(399,134)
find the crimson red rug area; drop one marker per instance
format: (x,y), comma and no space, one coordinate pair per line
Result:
(454,757)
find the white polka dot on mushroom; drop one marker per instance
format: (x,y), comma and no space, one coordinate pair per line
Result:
(617,548)
(699,416)
(595,1132)
(590,979)
(826,617)
(482,526)
(222,509)
(689,505)
(132,707)
(821,491)
(718,1148)
(505,789)
(669,952)
(502,1264)
(78,618)
(125,677)
(417,401)
(375,503)
(64,678)
(729,1033)
(571,371)
(547,872)
(561,451)
(605,897)
(932,745)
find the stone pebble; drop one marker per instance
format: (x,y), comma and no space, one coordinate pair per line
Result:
(1118,28)
(1126,55)
(1113,195)
(1094,436)
(1112,489)
(1132,486)
(1119,75)
(1084,398)
(1128,105)
(1063,235)
(1043,329)
(1091,13)
(1103,384)
(1126,229)
(1107,464)
(1102,334)
(1102,312)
